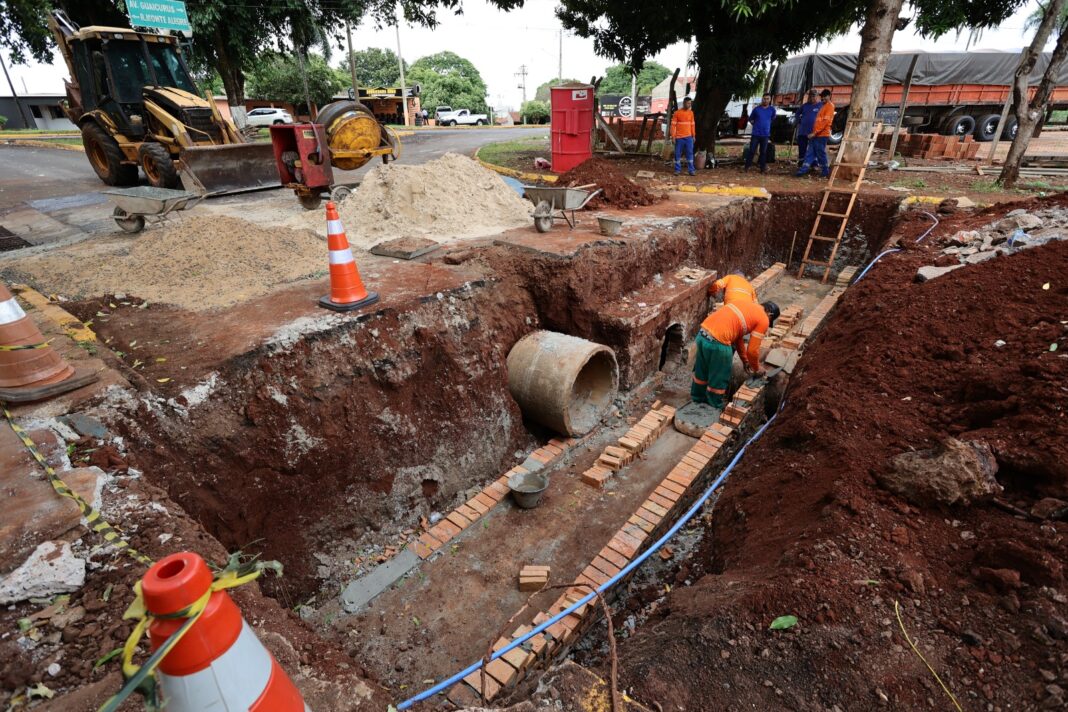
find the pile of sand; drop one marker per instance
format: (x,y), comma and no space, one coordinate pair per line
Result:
(449,198)
(198,261)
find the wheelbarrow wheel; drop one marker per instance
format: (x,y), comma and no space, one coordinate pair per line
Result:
(310,202)
(132,224)
(543,217)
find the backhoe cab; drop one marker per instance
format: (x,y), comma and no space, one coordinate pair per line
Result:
(135,101)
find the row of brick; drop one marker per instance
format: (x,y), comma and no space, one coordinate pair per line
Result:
(786,321)
(769,277)
(636,440)
(845,276)
(653,515)
(468,513)
(809,325)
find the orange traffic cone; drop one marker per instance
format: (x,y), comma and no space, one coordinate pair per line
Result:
(219,664)
(346,288)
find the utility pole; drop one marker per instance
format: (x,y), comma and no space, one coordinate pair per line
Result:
(14,95)
(522,74)
(400,63)
(352,63)
(560,62)
(633,94)
(304,79)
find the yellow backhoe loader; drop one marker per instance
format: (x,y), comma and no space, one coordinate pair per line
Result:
(133,98)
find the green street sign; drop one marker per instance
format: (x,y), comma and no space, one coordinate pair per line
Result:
(160,14)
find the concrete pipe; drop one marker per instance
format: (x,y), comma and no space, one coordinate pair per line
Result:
(561,381)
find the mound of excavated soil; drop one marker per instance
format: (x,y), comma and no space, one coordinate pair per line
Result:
(449,198)
(803,528)
(617,190)
(197,262)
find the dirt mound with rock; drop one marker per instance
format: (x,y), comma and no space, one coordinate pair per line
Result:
(449,198)
(804,528)
(618,191)
(198,261)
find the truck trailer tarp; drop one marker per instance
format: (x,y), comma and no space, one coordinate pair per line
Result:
(797,74)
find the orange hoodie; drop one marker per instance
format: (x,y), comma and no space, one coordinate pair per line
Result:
(730,323)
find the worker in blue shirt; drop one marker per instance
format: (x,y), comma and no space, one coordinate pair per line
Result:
(760,119)
(806,120)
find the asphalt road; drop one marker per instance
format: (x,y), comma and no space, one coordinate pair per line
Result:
(29,174)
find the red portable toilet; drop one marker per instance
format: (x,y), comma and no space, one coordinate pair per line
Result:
(572,125)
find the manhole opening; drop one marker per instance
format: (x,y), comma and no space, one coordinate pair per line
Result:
(671,349)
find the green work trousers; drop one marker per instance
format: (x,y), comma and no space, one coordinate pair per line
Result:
(711,372)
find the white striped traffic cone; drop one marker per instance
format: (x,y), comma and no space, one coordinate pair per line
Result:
(346,288)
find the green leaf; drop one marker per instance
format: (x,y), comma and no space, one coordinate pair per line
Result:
(783,622)
(108,657)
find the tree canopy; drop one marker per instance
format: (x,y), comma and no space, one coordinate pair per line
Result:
(542,93)
(617,78)
(375,67)
(278,79)
(535,111)
(447,79)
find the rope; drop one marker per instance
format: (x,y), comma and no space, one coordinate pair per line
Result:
(901,624)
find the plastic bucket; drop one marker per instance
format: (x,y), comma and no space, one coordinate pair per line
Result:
(610,226)
(527,488)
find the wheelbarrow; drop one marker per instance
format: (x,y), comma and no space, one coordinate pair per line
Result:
(134,205)
(553,203)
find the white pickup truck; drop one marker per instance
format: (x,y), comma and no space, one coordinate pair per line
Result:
(463,117)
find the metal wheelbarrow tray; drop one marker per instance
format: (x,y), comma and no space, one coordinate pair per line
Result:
(550,203)
(134,205)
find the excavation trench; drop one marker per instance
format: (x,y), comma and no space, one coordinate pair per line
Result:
(321,440)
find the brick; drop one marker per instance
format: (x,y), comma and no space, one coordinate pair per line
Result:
(563,444)
(554,450)
(657,509)
(668,411)
(469,512)
(636,534)
(697,462)
(560,632)
(502,672)
(444,530)
(542,456)
(669,494)
(643,524)
(431,543)
(536,643)
(702,449)
(463,695)
(458,519)
(594,479)
(531,584)
(476,504)
(622,546)
(594,574)
(613,463)
(517,657)
(613,557)
(585,580)
(674,486)
(660,500)
(680,477)
(634,446)
(605,566)
(621,453)
(488,502)
(537,568)
(475,681)
(496,491)
(420,549)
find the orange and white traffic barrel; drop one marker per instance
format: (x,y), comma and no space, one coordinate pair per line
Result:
(219,664)
(26,360)
(346,288)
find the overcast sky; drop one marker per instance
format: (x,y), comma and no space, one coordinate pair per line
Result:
(500,43)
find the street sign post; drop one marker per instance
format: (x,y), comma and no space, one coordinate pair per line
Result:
(160,14)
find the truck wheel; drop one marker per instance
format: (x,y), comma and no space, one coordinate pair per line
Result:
(987,127)
(1011,127)
(959,126)
(106,157)
(158,166)
(480,122)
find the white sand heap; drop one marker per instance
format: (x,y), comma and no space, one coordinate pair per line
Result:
(197,261)
(449,198)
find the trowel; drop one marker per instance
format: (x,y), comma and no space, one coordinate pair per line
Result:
(756,380)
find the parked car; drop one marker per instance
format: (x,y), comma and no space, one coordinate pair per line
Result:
(462,117)
(266,116)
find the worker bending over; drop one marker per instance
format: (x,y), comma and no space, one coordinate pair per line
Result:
(733,287)
(722,333)
(683,129)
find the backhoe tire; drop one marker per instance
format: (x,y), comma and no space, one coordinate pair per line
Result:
(106,157)
(158,166)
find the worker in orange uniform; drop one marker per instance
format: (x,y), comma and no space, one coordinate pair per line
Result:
(733,287)
(817,140)
(683,130)
(722,333)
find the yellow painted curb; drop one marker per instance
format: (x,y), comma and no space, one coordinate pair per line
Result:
(33,143)
(513,173)
(53,312)
(913,199)
(741,191)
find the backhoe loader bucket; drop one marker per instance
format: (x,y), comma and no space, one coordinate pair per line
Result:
(234,168)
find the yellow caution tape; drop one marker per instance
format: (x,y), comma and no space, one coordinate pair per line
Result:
(92,515)
(26,347)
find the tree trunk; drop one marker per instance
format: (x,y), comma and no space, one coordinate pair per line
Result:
(1028,113)
(877,35)
(712,102)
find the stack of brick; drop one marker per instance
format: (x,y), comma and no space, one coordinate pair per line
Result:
(790,316)
(792,343)
(636,440)
(734,414)
(769,277)
(533,578)
(931,146)
(809,325)
(845,277)
(466,514)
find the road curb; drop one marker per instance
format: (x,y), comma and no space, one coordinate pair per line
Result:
(513,173)
(33,143)
(72,325)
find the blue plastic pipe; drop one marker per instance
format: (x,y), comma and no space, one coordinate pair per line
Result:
(449,682)
(898,249)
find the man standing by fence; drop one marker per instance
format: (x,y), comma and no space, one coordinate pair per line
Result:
(682,130)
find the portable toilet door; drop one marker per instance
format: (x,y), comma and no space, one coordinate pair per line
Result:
(572,125)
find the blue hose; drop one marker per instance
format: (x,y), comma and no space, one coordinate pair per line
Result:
(898,249)
(446,684)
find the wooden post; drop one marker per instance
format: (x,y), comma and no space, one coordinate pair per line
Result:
(672,100)
(902,107)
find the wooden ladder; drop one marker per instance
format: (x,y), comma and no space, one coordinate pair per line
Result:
(868,138)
